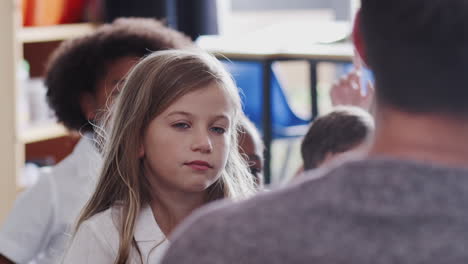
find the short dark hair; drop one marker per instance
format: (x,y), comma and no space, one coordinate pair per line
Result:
(418,50)
(336,132)
(77,65)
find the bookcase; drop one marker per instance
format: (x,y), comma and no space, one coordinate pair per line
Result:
(16,42)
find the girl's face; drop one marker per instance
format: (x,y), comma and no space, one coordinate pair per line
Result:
(185,148)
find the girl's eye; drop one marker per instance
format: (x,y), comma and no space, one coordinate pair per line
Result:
(218,130)
(181,125)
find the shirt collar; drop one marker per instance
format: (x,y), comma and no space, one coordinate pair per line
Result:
(86,143)
(147,229)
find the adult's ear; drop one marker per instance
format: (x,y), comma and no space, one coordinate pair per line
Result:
(358,39)
(88,105)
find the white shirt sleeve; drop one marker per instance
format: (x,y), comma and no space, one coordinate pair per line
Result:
(29,226)
(88,246)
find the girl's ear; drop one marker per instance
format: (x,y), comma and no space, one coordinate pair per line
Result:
(141,151)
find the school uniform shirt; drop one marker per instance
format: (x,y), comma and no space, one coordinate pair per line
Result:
(97,239)
(39,226)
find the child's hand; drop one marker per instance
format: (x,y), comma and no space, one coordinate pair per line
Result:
(348,90)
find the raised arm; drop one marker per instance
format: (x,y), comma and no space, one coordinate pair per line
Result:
(348,90)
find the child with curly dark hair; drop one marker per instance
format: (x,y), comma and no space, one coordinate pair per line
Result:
(82,77)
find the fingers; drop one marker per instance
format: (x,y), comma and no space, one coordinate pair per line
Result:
(343,91)
(354,79)
(357,61)
(349,91)
(337,93)
(354,76)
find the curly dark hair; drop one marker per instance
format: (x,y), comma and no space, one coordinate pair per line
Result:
(77,65)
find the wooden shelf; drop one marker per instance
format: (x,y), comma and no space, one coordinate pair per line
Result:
(44,34)
(42,132)
(54,33)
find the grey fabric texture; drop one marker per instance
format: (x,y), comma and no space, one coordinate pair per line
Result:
(376,211)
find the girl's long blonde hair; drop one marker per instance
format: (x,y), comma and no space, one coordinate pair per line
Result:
(151,86)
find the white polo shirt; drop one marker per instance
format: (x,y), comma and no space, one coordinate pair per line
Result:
(38,227)
(97,239)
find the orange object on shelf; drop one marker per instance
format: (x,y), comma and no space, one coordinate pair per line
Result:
(27,7)
(48,12)
(73,11)
(52,12)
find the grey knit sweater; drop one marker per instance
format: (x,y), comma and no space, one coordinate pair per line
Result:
(377,211)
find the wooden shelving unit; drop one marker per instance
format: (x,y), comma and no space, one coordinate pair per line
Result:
(12,141)
(11,151)
(31,35)
(42,132)
(54,33)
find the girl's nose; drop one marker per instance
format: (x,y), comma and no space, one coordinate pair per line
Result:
(202,143)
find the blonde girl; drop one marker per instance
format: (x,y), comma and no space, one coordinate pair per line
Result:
(171,147)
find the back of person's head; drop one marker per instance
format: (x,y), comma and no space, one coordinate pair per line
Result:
(251,147)
(418,52)
(337,132)
(77,65)
(155,83)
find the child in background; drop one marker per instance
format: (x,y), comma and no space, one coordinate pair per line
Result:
(345,128)
(172,147)
(81,76)
(334,134)
(251,147)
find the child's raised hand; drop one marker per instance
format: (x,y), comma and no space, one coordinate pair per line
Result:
(349,91)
